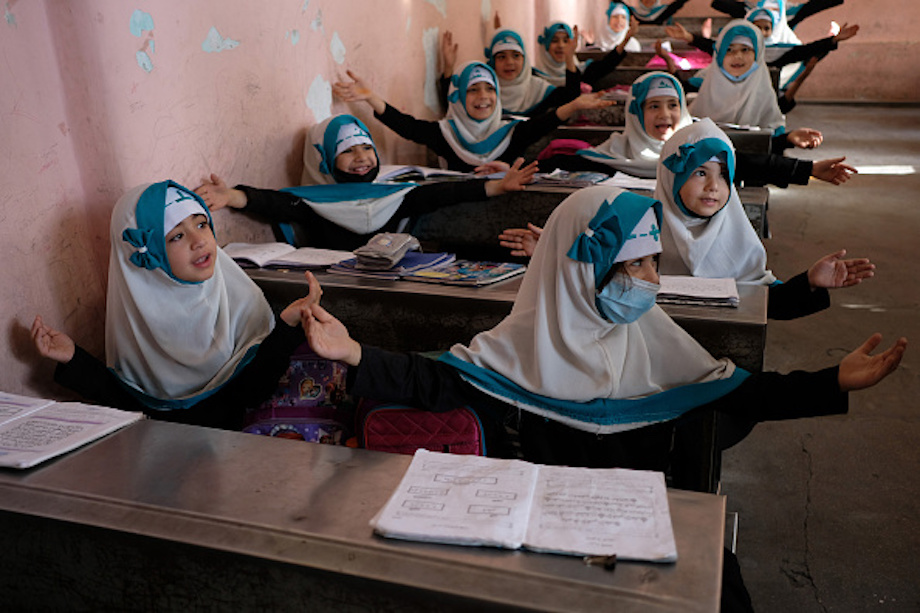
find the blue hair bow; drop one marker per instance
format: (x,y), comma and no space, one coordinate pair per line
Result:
(454,96)
(140,239)
(323,165)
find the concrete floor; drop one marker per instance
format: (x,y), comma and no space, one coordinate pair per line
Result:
(830,507)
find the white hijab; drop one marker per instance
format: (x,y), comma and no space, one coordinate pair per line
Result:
(522,93)
(550,69)
(781,39)
(607,39)
(751,101)
(556,344)
(724,245)
(633,151)
(173,342)
(475,142)
(359,207)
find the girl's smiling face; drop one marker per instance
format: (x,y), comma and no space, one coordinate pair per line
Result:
(706,190)
(557,45)
(357,160)
(508,64)
(480,100)
(618,22)
(660,116)
(738,59)
(191,249)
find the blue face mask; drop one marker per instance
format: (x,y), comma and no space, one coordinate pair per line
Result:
(623,301)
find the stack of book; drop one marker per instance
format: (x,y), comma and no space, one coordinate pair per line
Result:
(413,261)
(677,289)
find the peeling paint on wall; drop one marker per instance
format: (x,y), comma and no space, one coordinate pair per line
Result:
(441,5)
(486,10)
(319,99)
(293,35)
(8,14)
(140,23)
(337,47)
(317,23)
(430,45)
(306,3)
(408,24)
(214,43)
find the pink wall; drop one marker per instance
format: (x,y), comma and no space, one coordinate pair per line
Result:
(95,100)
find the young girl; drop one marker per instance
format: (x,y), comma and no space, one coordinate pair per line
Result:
(557,63)
(737,87)
(615,29)
(705,232)
(189,337)
(340,206)
(473,132)
(656,12)
(522,91)
(798,12)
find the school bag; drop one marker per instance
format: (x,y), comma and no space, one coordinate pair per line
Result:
(398,428)
(309,403)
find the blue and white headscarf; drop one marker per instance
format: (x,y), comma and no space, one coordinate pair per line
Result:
(750,100)
(633,151)
(724,245)
(524,92)
(607,39)
(547,66)
(361,207)
(475,141)
(781,40)
(171,342)
(555,355)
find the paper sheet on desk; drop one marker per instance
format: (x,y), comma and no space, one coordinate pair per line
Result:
(472,500)
(626,181)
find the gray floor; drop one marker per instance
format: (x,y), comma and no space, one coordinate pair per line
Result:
(828,507)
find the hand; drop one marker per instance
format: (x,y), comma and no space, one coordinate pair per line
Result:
(569,50)
(846,32)
(582,103)
(356,91)
(51,343)
(497,21)
(293,313)
(706,28)
(448,53)
(860,369)
(491,168)
(832,272)
(805,138)
(832,170)
(631,32)
(515,179)
(678,32)
(521,241)
(329,338)
(668,60)
(217,195)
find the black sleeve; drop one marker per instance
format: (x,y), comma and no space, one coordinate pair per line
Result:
(443,90)
(423,132)
(810,8)
(433,196)
(795,298)
(772,396)
(597,70)
(706,45)
(92,380)
(272,204)
(802,53)
(668,12)
(772,168)
(734,8)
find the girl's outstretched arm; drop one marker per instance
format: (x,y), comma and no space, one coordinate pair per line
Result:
(860,369)
(217,194)
(356,91)
(328,337)
(833,272)
(515,179)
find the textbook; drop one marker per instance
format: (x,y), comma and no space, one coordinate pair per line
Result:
(33,430)
(512,504)
(391,172)
(682,289)
(575,178)
(467,272)
(413,261)
(283,255)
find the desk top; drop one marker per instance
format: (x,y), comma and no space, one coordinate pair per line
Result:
(752,308)
(309,505)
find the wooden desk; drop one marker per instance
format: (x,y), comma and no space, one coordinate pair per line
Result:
(162,516)
(748,141)
(471,229)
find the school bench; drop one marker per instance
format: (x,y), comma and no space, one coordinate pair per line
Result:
(163,516)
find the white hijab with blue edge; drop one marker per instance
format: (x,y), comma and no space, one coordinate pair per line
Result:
(524,92)
(547,66)
(361,208)
(607,39)
(475,141)
(555,355)
(724,245)
(633,151)
(780,41)
(172,342)
(749,101)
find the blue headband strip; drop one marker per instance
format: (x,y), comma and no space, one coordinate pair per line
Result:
(550,31)
(499,37)
(691,156)
(461,82)
(330,139)
(614,5)
(608,230)
(640,92)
